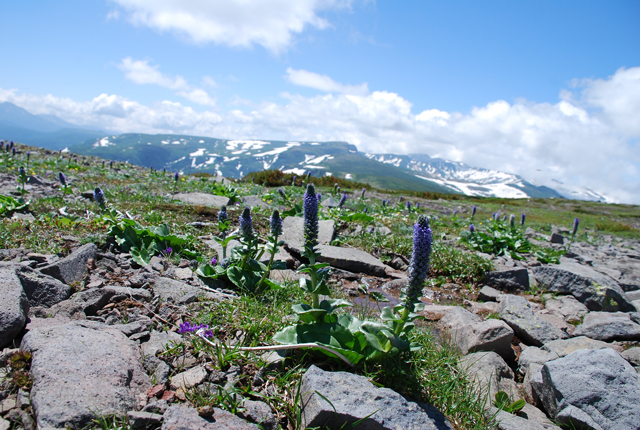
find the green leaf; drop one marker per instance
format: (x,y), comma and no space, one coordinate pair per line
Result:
(308,314)
(234,274)
(273,285)
(331,305)
(377,296)
(278,265)
(502,400)
(517,406)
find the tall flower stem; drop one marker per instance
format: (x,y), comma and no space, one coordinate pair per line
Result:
(276,230)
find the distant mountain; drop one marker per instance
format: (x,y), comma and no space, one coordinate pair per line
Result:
(47,131)
(235,158)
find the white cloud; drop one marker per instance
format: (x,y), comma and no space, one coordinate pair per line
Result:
(242,23)
(324,83)
(140,72)
(580,143)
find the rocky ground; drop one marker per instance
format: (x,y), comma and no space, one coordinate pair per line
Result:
(93,334)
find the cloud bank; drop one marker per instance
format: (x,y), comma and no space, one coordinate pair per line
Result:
(238,23)
(589,138)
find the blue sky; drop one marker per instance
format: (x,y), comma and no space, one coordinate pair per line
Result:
(532,88)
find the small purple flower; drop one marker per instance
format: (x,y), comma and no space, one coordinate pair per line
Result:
(576,223)
(246,225)
(366,210)
(187,327)
(343,199)
(282,193)
(473,211)
(275,223)
(504,218)
(472,228)
(417,205)
(384,203)
(522,219)
(420,258)
(168,251)
(364,190)
(319,196)
(310,216)
(222,214)
(512,220)
(63,179)
(293,180)
(408,204)
(176,176)
(455,213)
(214,261)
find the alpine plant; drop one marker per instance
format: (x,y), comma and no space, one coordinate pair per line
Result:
(310,217)
(420,258)
(246,225)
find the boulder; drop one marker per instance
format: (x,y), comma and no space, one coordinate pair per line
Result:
(180,417)
(73,267)
(488,294)
(350,259)
(259,413)
(93,299)
(557,238)
(41,289)
(529,418)
(491,373)
(293,231)
(632,355)
(564,347)
(14,305)
(202,199)
(592,388)
(81,369)
(329,203)
(353,397)
(470,333)
(254,201)
(597,291)
(189,378)
(534,355)
(143,420)
(566,306)
(609,326)
(510,279)
(180,292)
(159,341)
(529,327)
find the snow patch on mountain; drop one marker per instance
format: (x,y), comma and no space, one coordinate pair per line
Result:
(485,190)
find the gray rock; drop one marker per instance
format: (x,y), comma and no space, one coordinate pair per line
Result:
(259,413)
(4,424)
(156,407)
(530,328)
(136,293)
(189,378)
(597,291)
(159,341)
(564,347)
(179,417)
(531,355)
(591,388)
(511,280)
(14,305)
(350,259)
(143,420)
(180,292)
(557,238)
(608,326)
(470,333)
(526,419)
(293,231)
(566,306)
(329,203)
(490,372)
(202,199)
(218,248)
(354,397)
(281,255)
(93,299)
(73,267)
(632,355)
(133,327)
(157,369)
(254,201)
(41,289)
(633,295)
(488,294)
(80,369)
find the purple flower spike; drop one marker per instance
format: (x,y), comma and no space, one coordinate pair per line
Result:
(472,228)
(512,220)
(504,218)
(408,206)
(222,214)
(343,199)
(417,205)
(384,203)
(275,222)
(63,179)
(246,225)
(576,223)
(364,190)
(473,211)
(98,196)
(310,215)
(319,197)
(282,193)
(420,258)
(522,219)
(28,155)
(176,176)
(214,261)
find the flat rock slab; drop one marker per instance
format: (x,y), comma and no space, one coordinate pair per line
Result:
(529,327)
(73,267)
(608,326)
(254,201)
(293,231)
(202,199)
(181,293)
(597,291)
(511,280)
(564,347)
(524,420)
(354,397)
(179,417)
(14,305)
(351,259)
(592,388)
(189,378)
(566,306)
(42,290)
(81,369)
